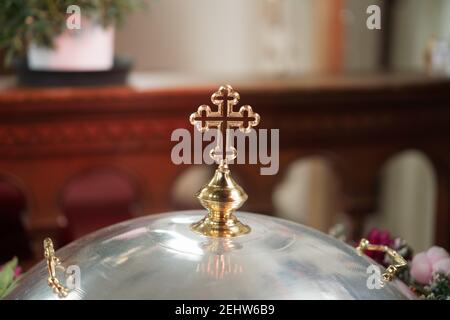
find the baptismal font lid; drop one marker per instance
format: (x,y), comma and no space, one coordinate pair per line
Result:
(187,255)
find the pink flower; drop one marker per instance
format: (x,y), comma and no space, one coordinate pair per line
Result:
(17,271)
(377,236)
(424,264)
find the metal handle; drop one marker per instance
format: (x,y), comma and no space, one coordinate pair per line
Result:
(52,262)
(398,261)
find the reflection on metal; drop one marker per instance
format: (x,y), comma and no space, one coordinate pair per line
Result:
(219,267)
(219,264)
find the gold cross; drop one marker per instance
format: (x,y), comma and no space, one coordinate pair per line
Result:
(225,117)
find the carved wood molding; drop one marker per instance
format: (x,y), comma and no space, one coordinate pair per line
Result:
(99,133)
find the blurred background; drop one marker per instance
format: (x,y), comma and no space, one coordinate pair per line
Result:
(85,125)
(285,36)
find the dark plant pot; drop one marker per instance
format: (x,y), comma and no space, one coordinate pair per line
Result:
(42,78)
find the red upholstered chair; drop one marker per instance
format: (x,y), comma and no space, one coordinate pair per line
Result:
(96,199)
(13,237)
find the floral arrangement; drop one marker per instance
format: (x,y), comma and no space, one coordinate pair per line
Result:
(9,275)
(428,272)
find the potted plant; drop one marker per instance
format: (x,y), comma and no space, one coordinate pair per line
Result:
(62,35)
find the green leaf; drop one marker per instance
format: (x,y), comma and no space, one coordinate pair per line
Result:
(7,276)
(9,289)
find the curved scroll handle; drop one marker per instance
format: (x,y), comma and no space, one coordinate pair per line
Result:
(52,263)
(398,261)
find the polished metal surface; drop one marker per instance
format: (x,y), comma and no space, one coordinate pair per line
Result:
(222,196)
(159,257)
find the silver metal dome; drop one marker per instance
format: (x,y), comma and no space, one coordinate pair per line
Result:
(159,257)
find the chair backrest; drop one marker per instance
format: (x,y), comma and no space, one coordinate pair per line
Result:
(14,240)
(98,198)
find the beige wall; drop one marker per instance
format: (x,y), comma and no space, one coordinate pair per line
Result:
(233,36)
(192,36)
(415,22)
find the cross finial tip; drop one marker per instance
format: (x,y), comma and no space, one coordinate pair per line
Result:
(226,88)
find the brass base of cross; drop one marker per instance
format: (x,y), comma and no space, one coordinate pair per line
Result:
(222,196)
